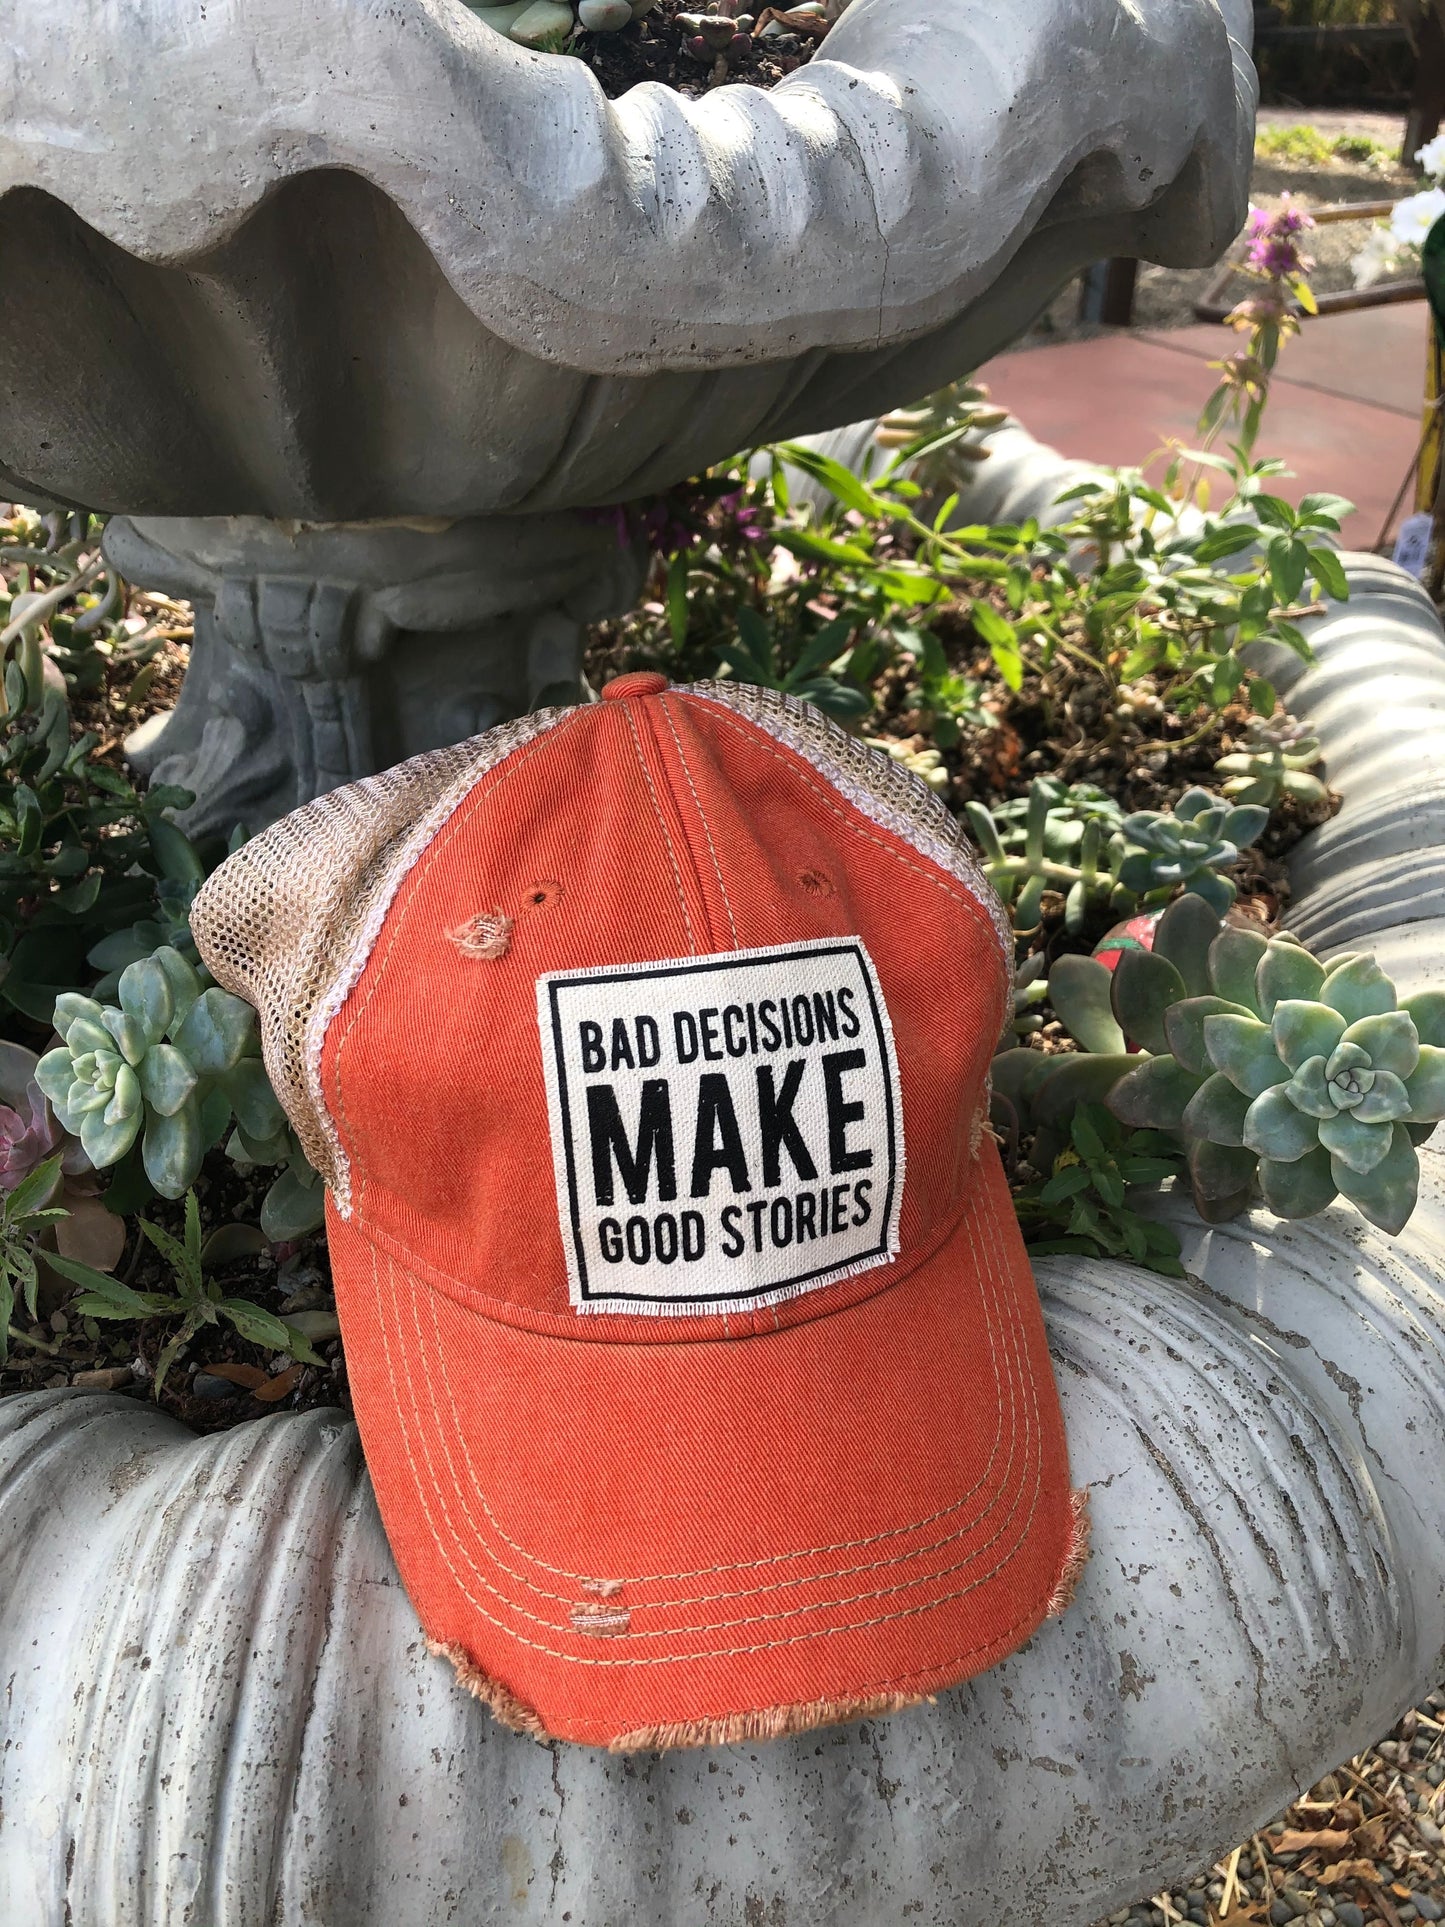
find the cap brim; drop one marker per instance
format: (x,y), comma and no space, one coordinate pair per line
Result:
(668,1543)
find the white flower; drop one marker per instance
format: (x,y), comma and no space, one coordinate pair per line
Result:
(1413,219)
(1432,158)
(1379,257)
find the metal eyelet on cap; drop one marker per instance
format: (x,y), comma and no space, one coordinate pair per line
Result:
(640,682)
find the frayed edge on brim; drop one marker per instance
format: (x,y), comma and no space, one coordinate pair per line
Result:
(763,1723)
(1076,1558)
(504,1707)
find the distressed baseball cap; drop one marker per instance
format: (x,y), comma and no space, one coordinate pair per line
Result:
(644,1049)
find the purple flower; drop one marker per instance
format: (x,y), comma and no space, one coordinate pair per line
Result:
(1273,250)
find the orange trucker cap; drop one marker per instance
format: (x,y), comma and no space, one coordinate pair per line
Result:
(644,1048)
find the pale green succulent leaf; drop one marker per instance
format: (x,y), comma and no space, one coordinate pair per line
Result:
(1425,1086)
(71,1008)
(1286,972)
(1300,1188)
(183,979)
(1390,1041)
(83,1035)
(1217,1112)
(128,1033)
(54,1074)
(166,1078)
(1277,1129)
(146,996)
(261,1117)
(1357,989)
(107,1143)
(1387,1194)
(1217,891)
(1386,1101)
(172,1150)
(126,1098)
(1080,990)
(1154,1095)
(1303,1029)
(1426,1010)
(1361,1146)
(215,1032)
(1308,1090)
(1233,960)
(85,1099)
(1348,1057)
(1243,1048)
(1184,1028)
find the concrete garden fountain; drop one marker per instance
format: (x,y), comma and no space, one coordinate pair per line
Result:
(344,309)
(344,312)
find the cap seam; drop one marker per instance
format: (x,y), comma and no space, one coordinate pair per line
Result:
(652,790)
(664,705)
(776,717)
(1005,1383)
(846,1545)
(1030,1434)
(568,1328)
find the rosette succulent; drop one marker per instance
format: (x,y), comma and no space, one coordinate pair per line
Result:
(168,1066)
(1307,1078)
(1274,761)
(1189,846)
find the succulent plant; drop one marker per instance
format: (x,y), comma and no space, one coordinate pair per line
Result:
(169,1065)
(716,37)
(1075,839)
(1064,837)
(1305,1077)
(1189,846)
(1274,761)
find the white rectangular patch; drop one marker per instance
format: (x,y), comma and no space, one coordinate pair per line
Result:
(727,1131)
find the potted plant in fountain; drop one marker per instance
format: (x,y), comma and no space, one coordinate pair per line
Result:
(490,299)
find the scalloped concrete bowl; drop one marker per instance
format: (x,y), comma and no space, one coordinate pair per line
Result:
(219,1708)
(330,260)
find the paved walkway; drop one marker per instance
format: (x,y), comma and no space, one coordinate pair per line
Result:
(1344,412)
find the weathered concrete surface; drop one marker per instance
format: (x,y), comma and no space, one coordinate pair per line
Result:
(217,1706)
(344,259)
(322,655)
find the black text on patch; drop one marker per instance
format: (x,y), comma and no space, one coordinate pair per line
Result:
(727,1131)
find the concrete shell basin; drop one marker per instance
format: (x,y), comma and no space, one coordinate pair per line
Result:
(334,260)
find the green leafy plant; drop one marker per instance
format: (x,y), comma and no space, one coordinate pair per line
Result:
(81,850)
(195,1300)
(25,1214)
(1083,1204)
(753,657)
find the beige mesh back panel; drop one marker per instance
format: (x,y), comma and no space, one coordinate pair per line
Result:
(290,920)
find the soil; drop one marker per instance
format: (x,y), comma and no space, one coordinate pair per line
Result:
(652,49)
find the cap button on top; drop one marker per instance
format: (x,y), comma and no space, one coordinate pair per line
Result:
(641,682)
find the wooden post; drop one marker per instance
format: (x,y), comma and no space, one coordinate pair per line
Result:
(1428,103)
(1106,293)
